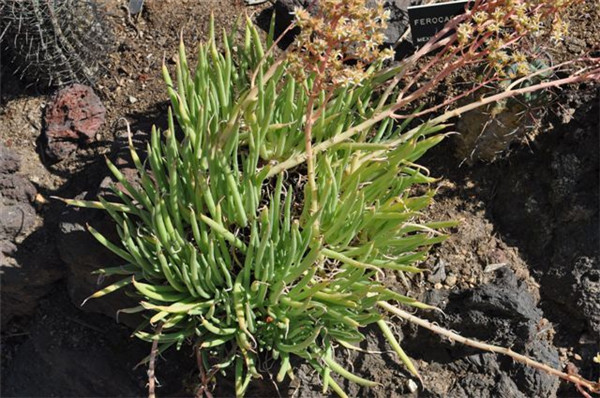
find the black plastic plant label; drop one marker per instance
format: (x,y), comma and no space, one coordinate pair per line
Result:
(428,19)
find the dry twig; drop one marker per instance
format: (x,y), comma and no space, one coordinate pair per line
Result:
(571,377)
(152,365)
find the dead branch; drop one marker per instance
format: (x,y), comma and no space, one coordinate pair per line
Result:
(571,377)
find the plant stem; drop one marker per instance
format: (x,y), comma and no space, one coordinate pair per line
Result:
(573,378)
(310,165)
(302,157)
(593,74)
(152,365)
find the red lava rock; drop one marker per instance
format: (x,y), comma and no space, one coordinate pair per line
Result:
(72,119)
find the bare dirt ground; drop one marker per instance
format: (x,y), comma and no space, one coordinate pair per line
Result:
(521,269)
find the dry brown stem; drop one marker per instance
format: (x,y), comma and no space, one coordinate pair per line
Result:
(571,377)
(152,365)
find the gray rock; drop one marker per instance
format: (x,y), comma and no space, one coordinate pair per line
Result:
(16,219)
(7,248)
(9,160)
(398,23)
(15,188)
(17,216)
(438,273)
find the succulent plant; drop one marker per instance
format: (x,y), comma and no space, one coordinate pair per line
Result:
(219,239)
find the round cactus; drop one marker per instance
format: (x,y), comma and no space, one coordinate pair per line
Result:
(54,43)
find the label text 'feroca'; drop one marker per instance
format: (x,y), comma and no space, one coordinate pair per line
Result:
(434,20)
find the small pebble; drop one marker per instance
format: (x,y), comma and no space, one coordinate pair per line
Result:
(438,273)
(577,357)
(494,267)
(451,280)
(562,351)
(132,99)
(412,386)
(437,286)
(40,200)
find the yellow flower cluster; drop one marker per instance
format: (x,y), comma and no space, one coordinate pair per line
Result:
(560,29)
(497,23)
(339,33)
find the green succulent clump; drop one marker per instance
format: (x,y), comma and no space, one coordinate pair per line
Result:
(218,237)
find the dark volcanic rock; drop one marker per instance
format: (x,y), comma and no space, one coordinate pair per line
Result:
(73,118)
(83,254)
(68,355)
(548,204)
(502,313)
(28,261)
(29,271)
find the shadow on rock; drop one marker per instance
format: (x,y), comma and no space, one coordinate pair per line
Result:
(548,205)
(544,200)
(63,349)
(502,313)
(80,251)
(71,353)
(29,263)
